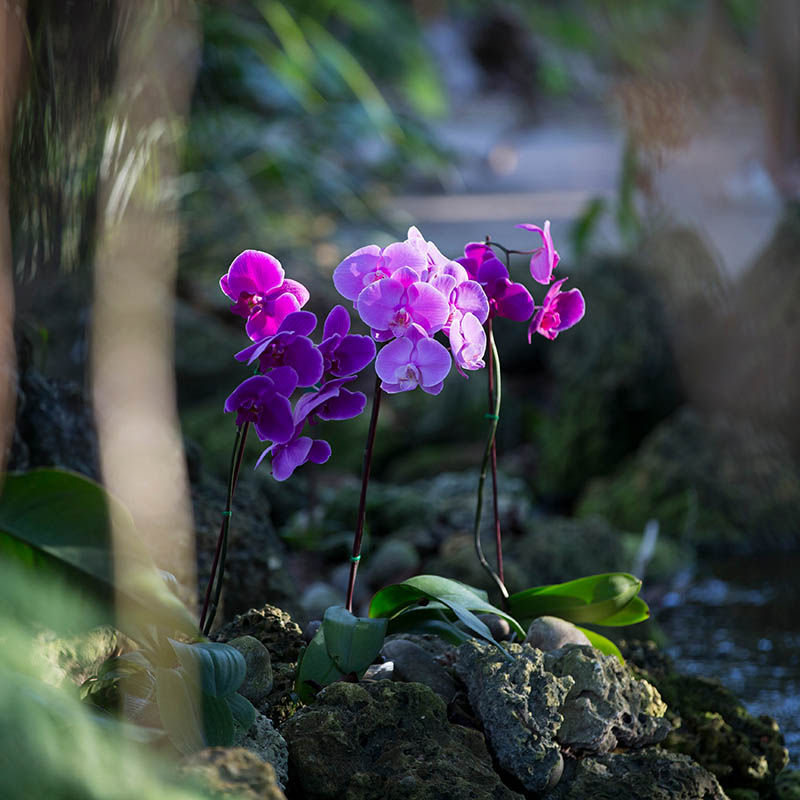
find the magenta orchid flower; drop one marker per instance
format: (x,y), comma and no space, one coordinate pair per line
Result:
(263,400)
(414,360)
(255,281)
(289,346)
(545,258)
(288,456)
(559,311)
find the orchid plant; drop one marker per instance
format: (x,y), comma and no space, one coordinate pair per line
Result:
(413,299)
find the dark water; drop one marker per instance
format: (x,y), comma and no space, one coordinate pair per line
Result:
(738,620)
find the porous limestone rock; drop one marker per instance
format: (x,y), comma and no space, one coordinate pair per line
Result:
(650,774)
(233,772)
(606,707)
(518,702)
(264,740)
(386,741)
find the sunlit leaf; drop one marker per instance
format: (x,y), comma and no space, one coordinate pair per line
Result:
(635,611)
(315,668)
(603,644)
(589,599)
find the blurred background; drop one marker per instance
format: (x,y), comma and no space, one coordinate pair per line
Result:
(153,142)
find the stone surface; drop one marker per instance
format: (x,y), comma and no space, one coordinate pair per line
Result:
(233,772)
(553,633)
(518,702)
(606,707)
(265,741)
(649,774)
(393,561)
(283,638)
(258,681)
(717,483)
(712,726)
(413,664)
(386,741)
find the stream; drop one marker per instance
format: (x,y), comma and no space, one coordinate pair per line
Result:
(738,620)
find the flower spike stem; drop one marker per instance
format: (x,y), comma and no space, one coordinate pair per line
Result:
(218,566)
(487,453)
(362,501)
(498,538)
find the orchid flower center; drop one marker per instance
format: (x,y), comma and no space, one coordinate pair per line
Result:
(409,378)
(400,322)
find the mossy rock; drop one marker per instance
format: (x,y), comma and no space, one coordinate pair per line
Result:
(711,726)
(715,483)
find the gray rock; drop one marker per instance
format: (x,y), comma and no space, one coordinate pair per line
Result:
(393,561)
(499,627)
(607,707)
(650,774)
(386,741)
(258,680)
(380,672)
(233,771)
(317,597)
(415,665)
(553,633)
(263,740)
(518,702)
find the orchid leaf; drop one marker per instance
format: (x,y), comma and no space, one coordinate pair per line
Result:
(428,619)
(635,611)
(602,644)
(180,710)
(352,642)
(315,668)
(217,721)
(218,669)
(58,522)
(591,599)
(243,710)
(458,597)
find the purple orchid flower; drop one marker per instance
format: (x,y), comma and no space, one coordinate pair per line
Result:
(544,259)
(559,311)
(288,456)
(506,298)
(331,402)
(414,360)
(263,400)
(343,353)
(289,346)
(468,343)
(391,306)
(475,253)
(255,280)
(370,264)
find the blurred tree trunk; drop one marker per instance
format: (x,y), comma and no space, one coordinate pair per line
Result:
(780,25)
(12,60)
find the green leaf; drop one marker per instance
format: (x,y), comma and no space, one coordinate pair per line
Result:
(602,644)
(218,669)
(243,710)
(460,598)
(352,642)
(59,521)
(217,721)
(588,599)
(180,710)
(636,611)
(428,619)
(315,668)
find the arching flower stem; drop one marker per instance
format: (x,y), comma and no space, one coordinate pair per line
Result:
(494,417)
(362,501)
(498,539)
(218,565)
